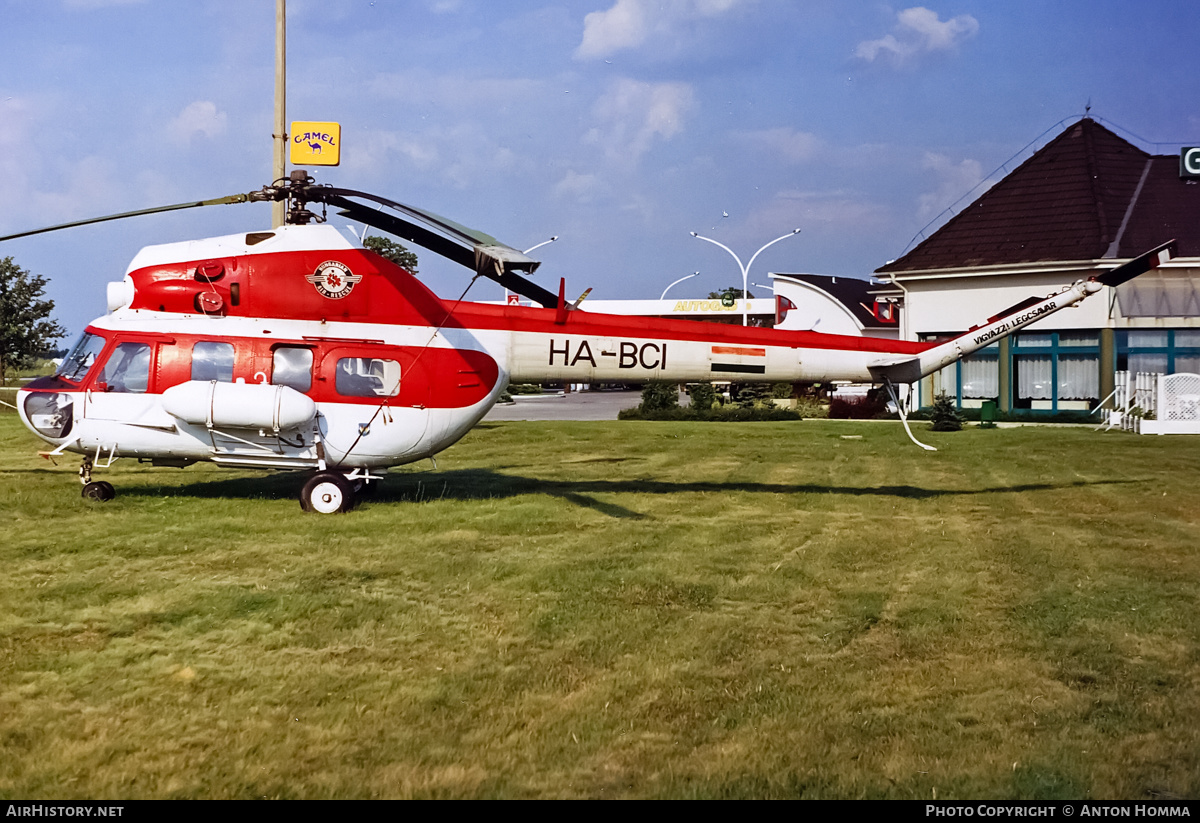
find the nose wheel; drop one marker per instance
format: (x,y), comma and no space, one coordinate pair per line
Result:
(327,493)
(99,490)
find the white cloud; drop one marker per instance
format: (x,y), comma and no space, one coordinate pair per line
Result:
(954,180)
(786,144)
(375,149)
(633,114)
(578,187)
(628,23)
(919,31)
(819,214)
(200,117)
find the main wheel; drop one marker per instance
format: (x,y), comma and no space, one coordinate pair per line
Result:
(327,493)
(100,490)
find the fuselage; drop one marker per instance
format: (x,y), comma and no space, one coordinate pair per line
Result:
(298,348)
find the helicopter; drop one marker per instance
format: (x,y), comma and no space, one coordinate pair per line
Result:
(299,349)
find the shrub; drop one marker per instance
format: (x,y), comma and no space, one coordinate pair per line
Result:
(749,395)
(781,391)
(944,415)
(703,395)
(720,414)
(660,395)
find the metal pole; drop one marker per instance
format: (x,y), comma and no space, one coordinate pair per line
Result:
(527,251)
(746,268)
(663,296)
(279,135)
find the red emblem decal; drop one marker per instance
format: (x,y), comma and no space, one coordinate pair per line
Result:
(333,279)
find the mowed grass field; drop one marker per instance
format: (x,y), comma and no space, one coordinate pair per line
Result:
(567,610)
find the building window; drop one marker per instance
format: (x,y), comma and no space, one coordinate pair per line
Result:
(979,377)
(1079,378)
(1034,382)
(1056,371)
(1161,351)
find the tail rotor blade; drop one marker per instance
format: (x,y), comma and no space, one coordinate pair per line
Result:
(1138,265)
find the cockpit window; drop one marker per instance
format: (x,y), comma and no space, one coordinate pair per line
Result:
(367,377)
(81,358)
(127,368)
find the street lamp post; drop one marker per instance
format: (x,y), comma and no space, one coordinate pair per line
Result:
(539,245)
(746,268)
(663,296)
(527,251)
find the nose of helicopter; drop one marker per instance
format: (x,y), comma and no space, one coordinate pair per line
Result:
(48,414)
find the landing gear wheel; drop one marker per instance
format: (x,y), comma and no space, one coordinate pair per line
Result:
(100,490)
(327,493)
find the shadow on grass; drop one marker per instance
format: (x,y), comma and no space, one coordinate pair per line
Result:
(488,484)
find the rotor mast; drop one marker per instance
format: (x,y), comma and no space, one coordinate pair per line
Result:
(279,135)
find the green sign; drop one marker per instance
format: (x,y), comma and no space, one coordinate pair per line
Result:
(1189,162)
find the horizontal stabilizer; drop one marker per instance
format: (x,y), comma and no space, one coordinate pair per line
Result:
(1138,265)
(896,369)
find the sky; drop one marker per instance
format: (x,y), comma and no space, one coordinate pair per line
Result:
(621,126)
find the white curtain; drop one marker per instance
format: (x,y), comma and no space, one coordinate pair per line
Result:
(1187,363)
(1156,363)
(980,378)
(1078,378)
(1034,378)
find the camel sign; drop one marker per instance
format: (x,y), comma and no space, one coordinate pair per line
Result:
(315,144)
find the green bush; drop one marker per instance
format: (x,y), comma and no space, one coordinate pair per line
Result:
(720,414)
(703,395)
(660,395)
(944,415)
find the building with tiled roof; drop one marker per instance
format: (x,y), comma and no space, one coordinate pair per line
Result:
(835,305)
(1087,200)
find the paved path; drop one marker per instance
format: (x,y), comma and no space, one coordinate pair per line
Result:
(587,405)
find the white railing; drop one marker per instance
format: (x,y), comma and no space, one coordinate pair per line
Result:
(1151,403)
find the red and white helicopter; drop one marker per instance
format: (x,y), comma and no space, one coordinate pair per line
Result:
(299,349)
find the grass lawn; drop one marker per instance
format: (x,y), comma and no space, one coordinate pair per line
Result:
(616,610)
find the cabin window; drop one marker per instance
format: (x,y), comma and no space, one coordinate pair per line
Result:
(127,369)
(292,367)
(367,377)
(212,361)
(83,355)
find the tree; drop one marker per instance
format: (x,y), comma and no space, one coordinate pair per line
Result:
(403,257)
(944,415)
(26,329)
(732,292)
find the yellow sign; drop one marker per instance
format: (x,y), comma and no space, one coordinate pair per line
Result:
(315,144)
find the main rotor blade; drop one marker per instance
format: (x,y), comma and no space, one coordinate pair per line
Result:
(1138,265)
(219,201)
(473,249)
